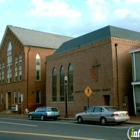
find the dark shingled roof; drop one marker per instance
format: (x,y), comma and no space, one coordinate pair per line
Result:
(102,33)
(37,38)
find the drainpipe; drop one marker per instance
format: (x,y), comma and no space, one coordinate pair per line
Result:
(28,74)
(117,85)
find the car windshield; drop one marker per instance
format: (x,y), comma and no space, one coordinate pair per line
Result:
(111,108)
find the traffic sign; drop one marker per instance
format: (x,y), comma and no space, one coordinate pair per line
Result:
(88,91)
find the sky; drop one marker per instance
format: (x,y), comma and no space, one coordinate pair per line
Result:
(69,17)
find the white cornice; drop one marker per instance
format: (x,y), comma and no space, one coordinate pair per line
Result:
(135,83)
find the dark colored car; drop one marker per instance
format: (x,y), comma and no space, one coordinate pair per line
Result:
(45,112)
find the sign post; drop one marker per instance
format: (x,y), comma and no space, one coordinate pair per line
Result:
(21,103)
(88,92)
(66,100)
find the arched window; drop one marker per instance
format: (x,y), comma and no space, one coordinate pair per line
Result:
(16,69)
(20,68)
(62,93)
(70,83)
(9,62)
(38,67)
(54,85)
(2,72)
(9,47)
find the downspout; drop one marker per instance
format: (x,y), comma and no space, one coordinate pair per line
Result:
(28,74)
(45,83)
(134,79)
(117,80)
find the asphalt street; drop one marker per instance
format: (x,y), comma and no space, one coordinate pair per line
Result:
(24,129)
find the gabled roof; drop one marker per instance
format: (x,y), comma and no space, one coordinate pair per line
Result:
(97,35)
(37,38)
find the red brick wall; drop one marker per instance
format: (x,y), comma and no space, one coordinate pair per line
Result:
(82,59)
(124,72)
(29,57)
(34,85)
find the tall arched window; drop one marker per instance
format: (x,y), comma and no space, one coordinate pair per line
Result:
(9,62)
(54,85)
(38,67)
(20,68)
(2,72)
(70,83)
(16,69)
(62,93)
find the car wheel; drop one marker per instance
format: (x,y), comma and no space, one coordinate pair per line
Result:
(42,118)
(31,117)
(103,121)
(80,120)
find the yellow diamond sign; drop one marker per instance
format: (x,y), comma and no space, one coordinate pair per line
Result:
(88,91)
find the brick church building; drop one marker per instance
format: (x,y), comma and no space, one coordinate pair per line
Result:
(93,69)
(22,67)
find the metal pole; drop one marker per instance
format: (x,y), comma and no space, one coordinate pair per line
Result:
(88,101)
(28,74)
(66,103)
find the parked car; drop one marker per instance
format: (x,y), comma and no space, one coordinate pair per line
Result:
(103,114)
(44,112)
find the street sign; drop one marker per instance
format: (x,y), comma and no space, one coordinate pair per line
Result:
(88,91)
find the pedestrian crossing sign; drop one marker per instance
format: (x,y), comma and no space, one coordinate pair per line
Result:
(88,91)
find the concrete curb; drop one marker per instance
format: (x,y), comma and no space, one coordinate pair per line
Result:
(59,118)
(132,122)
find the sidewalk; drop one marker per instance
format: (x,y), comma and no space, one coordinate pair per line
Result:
(133,119)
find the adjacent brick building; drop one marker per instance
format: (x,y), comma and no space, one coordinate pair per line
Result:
(136,79)
(99,62)
(22,67)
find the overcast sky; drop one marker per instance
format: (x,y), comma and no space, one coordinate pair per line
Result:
(69,17)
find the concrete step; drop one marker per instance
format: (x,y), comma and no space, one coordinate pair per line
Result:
(7,111)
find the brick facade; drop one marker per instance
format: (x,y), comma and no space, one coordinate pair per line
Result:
(95,65)
(28,85)
(82,59)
